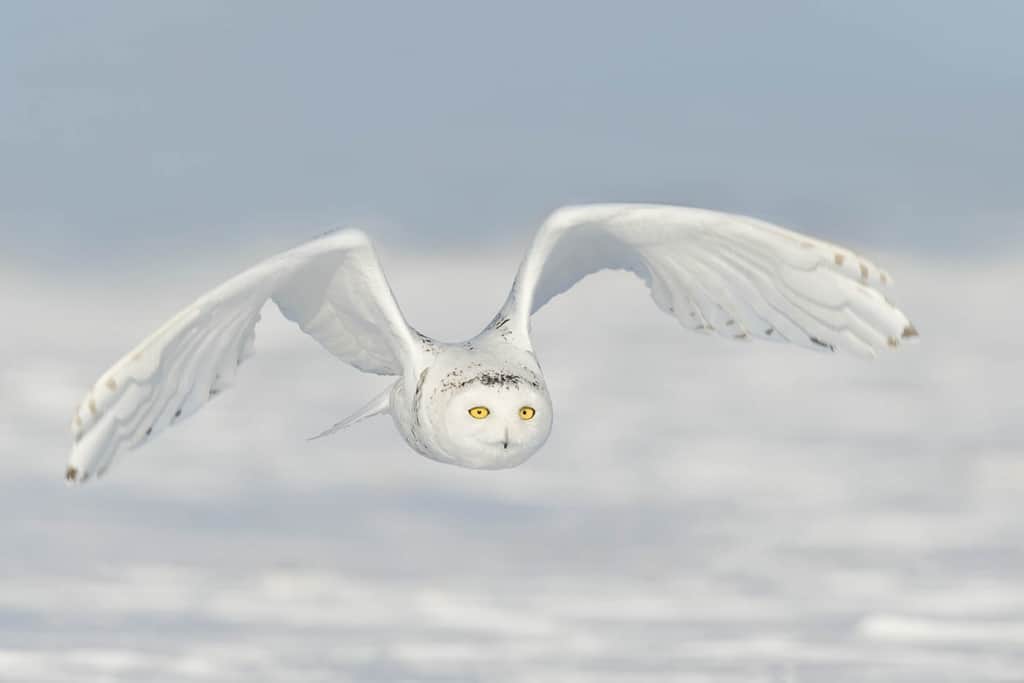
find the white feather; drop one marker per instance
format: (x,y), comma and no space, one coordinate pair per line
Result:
(739,277)
(332,287)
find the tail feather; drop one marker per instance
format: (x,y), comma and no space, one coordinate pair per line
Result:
(380,405)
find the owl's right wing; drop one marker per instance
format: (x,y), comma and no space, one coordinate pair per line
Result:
(332,287)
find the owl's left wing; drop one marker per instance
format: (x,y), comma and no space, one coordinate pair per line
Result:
(736,276)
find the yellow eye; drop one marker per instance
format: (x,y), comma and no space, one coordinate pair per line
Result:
(479,413)
(527,413)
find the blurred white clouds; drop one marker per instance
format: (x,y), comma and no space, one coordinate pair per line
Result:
(732,511)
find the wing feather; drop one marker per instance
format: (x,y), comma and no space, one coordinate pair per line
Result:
(739,277)
(332,287)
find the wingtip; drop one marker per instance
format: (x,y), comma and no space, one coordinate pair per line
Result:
(73,476)
(909,335)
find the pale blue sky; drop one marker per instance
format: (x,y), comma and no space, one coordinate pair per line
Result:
(142,125)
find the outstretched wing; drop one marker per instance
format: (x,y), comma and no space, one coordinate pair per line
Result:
(332,287)
(738,277)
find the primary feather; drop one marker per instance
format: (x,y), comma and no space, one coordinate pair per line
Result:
(332,287)
(735,276)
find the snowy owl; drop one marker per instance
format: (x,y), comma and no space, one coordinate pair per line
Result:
(483,403)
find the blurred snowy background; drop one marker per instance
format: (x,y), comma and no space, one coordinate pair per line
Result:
(704,511)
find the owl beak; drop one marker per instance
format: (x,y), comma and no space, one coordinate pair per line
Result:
(506,439)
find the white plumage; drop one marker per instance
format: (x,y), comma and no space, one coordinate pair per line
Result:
(717,273)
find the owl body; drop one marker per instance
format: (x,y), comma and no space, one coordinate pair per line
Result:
(481,404)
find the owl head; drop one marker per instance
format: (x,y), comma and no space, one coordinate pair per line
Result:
(493,418)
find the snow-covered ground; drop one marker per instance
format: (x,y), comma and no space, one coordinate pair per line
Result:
(713,512)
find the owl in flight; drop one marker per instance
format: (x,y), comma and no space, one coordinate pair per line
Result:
(484,403)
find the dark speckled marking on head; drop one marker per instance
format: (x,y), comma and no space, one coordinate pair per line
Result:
(488,378)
